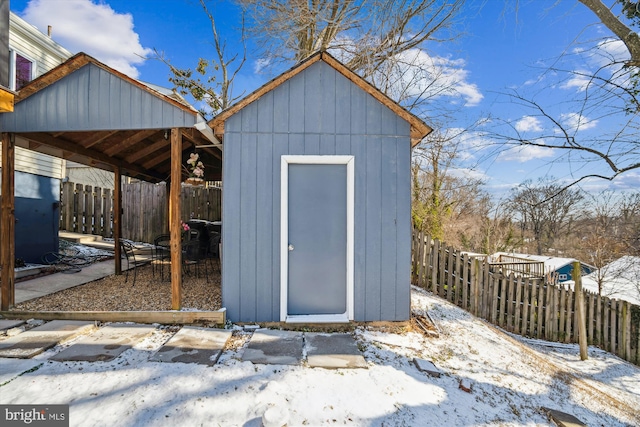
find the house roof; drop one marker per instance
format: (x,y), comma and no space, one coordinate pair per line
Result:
(620,279)
(419,129)
(550,263)
(87,112)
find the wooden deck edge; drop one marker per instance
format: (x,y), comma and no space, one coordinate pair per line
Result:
(164,317)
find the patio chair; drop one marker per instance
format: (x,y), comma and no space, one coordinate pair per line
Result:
(213,252)
(161,252)
(127,252)
(193,256)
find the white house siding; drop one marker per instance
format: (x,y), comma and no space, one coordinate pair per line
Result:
(27,40)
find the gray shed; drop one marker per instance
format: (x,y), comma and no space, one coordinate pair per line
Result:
(317,199)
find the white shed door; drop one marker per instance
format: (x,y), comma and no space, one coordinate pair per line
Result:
(318,272)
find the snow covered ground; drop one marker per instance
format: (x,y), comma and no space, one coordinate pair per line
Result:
(511,378)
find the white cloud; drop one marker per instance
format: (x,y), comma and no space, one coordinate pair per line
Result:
(468,173)
(575,121)
(525,153)
(96,29)
(417,74)
(528,124)
(579,80)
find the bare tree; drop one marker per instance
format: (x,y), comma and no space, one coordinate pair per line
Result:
(366,33)
(606,96)
(545,209)
(448,203)
(211,81)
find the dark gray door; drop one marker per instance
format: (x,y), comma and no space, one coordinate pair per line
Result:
(317,231)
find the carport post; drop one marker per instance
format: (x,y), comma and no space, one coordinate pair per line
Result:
(117,217)
(174,218)
(7,223)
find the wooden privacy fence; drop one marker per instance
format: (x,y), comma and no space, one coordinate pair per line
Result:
(89,210)
(532,307)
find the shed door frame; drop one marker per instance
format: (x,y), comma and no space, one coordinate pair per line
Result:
(284,236)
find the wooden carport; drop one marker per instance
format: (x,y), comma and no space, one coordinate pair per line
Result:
(89,113)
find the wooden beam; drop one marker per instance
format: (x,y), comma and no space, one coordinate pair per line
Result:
(174,218)
(129,142)
(117,218)
(7,223)
(146,151)
(163,317)
(96,138)
(156,160)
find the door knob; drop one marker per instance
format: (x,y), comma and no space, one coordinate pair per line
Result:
(290,247)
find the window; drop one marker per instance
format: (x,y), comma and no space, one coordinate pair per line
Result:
(562,277)
(22,70)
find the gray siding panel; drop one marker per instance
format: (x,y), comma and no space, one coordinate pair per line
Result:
(231,265)
(342,104)
(403,250)
(373,223)
(296,103)
(265,113)
(317,111)
(389,227)
(281,108)
(313,96)
(264,228)
(248,221)
(359,151)
(91,98)
(280,148)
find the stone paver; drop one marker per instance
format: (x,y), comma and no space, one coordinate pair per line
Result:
(12,368)
(9,324)
(105,344)
(194,345)
(562,419)
(427,366)
(41,338)
(273,347)
(333,351)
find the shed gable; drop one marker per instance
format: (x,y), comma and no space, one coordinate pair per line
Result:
(319,100)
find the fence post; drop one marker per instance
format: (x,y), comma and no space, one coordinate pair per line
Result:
(475,267)
(435,266)
(582,330)
(626,323)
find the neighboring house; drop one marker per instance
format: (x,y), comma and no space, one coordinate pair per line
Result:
(619,279)
(37,176)
(563,267)
(317,199)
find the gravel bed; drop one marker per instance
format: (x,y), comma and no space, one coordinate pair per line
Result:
(149,293)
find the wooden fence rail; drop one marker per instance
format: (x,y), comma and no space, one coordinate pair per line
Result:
(527,306)
(89,210)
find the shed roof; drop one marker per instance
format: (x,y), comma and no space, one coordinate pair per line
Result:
(419,129)
(89,113)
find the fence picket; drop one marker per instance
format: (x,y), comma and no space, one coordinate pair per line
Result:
(518,309)
(435,263)
(465,281)
(510,297)
(503,300)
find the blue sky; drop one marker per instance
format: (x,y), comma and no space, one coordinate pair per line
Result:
(501,49)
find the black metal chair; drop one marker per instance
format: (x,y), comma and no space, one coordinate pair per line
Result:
(213,252)
(127,252)
(161,252)
(193,256)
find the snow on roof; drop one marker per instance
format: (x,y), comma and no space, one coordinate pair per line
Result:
(620,279)
(550,263)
